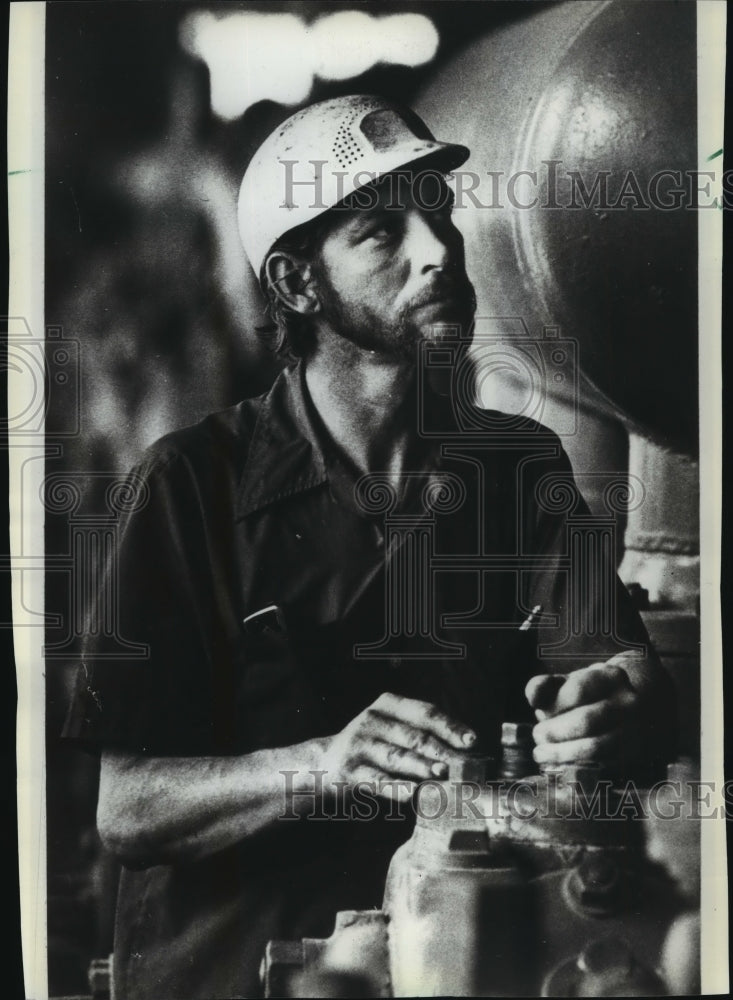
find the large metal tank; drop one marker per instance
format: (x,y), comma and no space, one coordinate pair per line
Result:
(585,94)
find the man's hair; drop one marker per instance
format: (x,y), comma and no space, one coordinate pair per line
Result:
(289,334)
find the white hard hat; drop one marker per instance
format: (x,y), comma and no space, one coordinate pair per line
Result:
(324,153)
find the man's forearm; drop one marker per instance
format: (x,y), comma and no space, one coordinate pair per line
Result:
(163,810)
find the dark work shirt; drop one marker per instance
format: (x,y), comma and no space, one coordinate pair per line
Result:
(418,590)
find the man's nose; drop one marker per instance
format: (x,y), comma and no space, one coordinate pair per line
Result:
(433,241)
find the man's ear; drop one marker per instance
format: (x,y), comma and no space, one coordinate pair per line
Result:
(291,281)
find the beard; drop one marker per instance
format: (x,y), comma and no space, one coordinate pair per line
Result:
(450,295)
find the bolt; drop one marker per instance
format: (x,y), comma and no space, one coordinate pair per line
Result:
(594,883)
(516,749)
(516,734)
(281,958)
(598,871)
(609,954)
(284,953)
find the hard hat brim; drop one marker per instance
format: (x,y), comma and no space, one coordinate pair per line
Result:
(440,157)
(428,154)
(421,156)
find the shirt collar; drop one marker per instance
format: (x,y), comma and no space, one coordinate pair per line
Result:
(285,455)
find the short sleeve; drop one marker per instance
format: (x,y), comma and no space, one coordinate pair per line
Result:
(161,679)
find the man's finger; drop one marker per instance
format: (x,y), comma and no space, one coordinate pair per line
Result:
(418,740)
(590,684)
(541,692)
(383,784)
(401,763)
(587,720)
(602,749)
(423,715)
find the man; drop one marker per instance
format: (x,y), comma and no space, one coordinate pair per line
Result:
(256,566)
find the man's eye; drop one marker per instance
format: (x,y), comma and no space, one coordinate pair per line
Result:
(383,231)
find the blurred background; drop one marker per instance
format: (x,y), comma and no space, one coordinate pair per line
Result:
(152,113)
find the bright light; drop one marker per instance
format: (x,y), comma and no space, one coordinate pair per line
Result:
(349,43)
(247,55)
(255,57)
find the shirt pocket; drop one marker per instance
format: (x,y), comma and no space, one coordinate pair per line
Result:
(276,703)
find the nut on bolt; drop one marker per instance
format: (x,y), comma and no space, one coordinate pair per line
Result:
(595,882)
(610,969)
(280,955)
(608,954)
(516,750)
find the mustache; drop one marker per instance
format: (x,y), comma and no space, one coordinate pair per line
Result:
(446,286)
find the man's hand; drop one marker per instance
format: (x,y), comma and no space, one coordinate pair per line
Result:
(594,714)
(166,810)
(393,744)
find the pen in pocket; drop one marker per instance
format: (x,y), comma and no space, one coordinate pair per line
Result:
(531,618)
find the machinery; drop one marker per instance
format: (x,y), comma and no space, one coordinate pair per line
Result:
(535,886)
